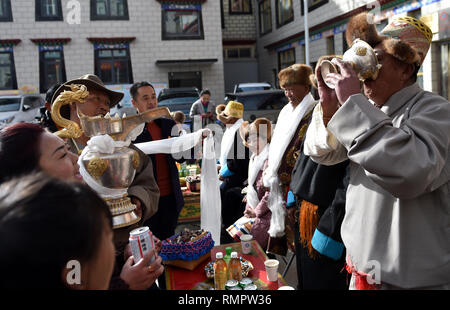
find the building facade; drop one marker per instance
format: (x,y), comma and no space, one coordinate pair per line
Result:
(239,37)
(203,43)
(281,36)
(167,43)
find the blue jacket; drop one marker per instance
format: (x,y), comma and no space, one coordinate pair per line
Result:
(166,126)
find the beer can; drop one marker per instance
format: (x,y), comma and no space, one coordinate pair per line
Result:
(141,241)
(245,282)
(251,287)
(231,284)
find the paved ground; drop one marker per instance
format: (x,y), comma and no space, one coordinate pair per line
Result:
(291,274)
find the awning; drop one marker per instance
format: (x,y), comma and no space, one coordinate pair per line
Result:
(186,62)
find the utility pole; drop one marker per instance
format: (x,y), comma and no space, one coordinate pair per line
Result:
(305,14)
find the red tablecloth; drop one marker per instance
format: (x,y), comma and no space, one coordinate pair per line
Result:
(182,279)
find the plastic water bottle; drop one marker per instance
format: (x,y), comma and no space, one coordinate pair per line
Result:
(235,268)
(227,256)
(220,272)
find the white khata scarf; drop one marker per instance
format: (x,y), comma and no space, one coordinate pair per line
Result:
(255,165)
(227,141)
(286,126)
(104,144)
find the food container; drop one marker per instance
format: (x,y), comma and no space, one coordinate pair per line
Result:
(193,183)
(187,249)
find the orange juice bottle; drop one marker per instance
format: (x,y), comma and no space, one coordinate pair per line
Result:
(235,268)
(220,272)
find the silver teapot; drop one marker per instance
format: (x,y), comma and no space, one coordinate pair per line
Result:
(110,172)
(362,58)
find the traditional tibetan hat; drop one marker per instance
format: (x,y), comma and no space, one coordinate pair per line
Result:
(405,38)
(295,74)
(92,82)
(233,109)
(262,127)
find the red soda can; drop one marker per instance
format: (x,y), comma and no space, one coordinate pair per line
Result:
(141,241)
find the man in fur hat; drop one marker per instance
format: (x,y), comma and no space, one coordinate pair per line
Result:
(286,140)
(234,160)
(396,225)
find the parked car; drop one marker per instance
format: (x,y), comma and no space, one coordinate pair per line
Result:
(179,99)
(245,87)
(261,103)
(20,108)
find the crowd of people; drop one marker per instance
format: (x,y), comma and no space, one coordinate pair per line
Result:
(354,181)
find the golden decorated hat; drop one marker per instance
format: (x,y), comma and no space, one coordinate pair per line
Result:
(405,38)
(233,109)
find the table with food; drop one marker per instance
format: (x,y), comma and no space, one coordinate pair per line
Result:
(190,259)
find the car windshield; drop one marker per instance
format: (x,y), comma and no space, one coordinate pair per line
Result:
(9,104)
(251,88)
(180,100)
(262,101)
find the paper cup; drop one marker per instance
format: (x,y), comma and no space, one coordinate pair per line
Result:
(272,269)
(246,243)
(286,288)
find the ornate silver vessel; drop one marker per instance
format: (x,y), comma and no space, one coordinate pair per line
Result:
(362,58)
(107,164)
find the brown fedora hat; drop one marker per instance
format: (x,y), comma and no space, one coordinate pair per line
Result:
(92,82)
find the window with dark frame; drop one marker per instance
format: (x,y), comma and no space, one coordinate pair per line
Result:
(185,79)
(5,11)
(52,67)
(286,58)
(312,5)
(285,12)
(330,45)
(48,10)
(265,17)
(8,79)
(113,65)
(109,10)
(240,7)
(182,22)
(237,52)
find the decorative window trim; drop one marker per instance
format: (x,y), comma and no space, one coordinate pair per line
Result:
(50,41)
(95,17)
(41,18)
(99,40)
(9,42)
(183,1)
